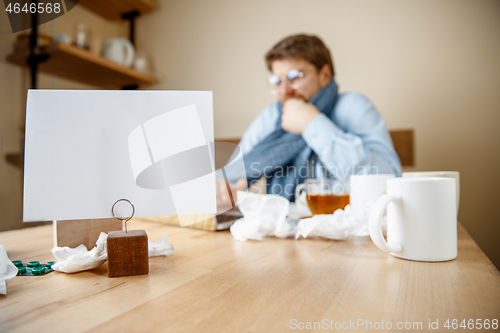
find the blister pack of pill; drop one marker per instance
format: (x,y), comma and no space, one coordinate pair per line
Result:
(33,268)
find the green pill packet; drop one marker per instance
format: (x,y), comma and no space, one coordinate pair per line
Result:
(33,268)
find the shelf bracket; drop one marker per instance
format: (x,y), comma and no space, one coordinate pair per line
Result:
(34,59)
(131,17)
(33,44)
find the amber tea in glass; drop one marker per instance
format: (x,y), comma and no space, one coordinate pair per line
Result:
(327,203)
(325,196)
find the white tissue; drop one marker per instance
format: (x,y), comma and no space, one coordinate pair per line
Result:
(339,225)
(7,270)
(263,215)
(162,248)
(79,259)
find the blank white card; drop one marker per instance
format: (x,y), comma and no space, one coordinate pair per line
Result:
(85,149)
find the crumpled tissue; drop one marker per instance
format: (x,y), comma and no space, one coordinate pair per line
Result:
(266,215)
(339,225)
(72,260)
(162,248)
(7,270)
(263,215)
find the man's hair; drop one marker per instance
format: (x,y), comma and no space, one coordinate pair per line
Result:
(307,47)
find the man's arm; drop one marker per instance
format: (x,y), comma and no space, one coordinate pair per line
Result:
(234,172)
(356,141)
(260,128)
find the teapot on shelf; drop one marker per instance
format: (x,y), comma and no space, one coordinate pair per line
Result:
(119,50)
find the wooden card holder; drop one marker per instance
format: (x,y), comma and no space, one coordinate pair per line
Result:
(127,253)
(75,232)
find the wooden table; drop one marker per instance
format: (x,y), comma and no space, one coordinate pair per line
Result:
(212,283)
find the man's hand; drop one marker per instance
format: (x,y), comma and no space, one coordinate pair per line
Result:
(223,196)
(297,115)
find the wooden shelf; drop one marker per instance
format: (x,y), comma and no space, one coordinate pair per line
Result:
(114,9)
(77,64)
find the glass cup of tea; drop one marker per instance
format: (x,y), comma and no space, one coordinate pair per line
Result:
(324,196)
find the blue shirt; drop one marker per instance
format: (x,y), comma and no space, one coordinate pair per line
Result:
(354,140)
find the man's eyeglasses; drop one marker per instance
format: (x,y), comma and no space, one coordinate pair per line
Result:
(292,80)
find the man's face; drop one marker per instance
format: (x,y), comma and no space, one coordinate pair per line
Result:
(308,86)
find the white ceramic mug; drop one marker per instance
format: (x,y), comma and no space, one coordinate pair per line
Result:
(365,190)
(119,50)
(445,174)
(421,219)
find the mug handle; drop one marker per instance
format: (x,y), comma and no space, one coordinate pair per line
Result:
(129,52)
(375,224)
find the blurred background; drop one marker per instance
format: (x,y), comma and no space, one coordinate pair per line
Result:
(429,66)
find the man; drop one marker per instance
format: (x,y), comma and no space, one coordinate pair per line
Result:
(312,131)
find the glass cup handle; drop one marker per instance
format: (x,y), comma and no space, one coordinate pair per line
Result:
(375,224)
(298,189)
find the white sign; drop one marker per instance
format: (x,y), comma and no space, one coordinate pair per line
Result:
(85,149)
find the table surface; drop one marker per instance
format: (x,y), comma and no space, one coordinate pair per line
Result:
(213,283)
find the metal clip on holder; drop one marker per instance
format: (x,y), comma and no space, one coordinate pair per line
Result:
(126,219)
